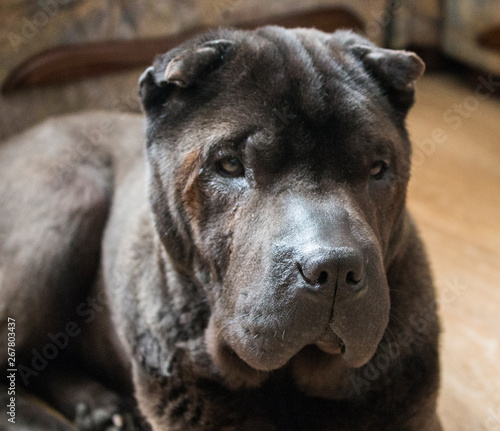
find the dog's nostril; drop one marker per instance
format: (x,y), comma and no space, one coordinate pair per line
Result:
(351,279)
(313,278)
(342,347)
(323,277)
(340,266)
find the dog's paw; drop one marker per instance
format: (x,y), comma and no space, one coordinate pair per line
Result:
(104,418)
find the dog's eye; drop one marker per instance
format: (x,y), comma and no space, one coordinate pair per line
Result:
(230,167)
(378,169)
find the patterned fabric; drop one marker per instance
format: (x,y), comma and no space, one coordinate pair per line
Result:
(28,27)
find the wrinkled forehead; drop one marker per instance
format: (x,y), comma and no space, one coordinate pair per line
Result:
(298,92)
(304,71)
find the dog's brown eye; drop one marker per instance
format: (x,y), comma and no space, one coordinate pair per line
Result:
(378,169)
(230,167)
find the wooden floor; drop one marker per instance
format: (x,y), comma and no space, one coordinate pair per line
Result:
(455,198)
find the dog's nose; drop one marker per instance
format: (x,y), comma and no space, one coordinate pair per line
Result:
(340,267)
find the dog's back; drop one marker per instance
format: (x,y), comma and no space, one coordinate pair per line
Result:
(57,182)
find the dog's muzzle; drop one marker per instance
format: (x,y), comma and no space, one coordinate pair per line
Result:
(324,284)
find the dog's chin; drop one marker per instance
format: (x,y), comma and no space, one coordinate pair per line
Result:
(331,343)
(272,362)
(354,356)
(228,349)
(273,356)
(278,357)
(265,360)
(236,372)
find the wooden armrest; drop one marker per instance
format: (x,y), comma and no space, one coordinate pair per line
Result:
(72,62)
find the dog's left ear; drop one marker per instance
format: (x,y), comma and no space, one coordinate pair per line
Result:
(396,71)
(181,67)
(192,64)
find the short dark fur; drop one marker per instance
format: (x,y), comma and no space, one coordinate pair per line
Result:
(294,294)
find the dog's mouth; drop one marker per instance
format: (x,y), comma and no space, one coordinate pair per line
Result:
(331,343)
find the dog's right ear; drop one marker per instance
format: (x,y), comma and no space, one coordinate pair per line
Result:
(151,89)
(180,68)
(395,70)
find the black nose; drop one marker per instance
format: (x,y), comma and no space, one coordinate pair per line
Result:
(341,266)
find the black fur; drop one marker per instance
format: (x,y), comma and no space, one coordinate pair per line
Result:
(271,276)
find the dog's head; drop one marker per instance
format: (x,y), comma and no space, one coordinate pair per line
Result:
(278,164)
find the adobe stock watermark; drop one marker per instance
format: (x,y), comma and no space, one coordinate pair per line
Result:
(223,8)
(452,290)
(90,141)
(40,359)
(73,155)
(30,27)
(284,117)
(454,117)
(419,324)
(58,342)
(390,352)
(11,369)
(86,311)
(381,19)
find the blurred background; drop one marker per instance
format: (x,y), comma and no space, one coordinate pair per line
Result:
(61,56)
(75,42)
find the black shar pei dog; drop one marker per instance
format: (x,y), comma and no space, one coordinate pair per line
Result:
(259,272)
